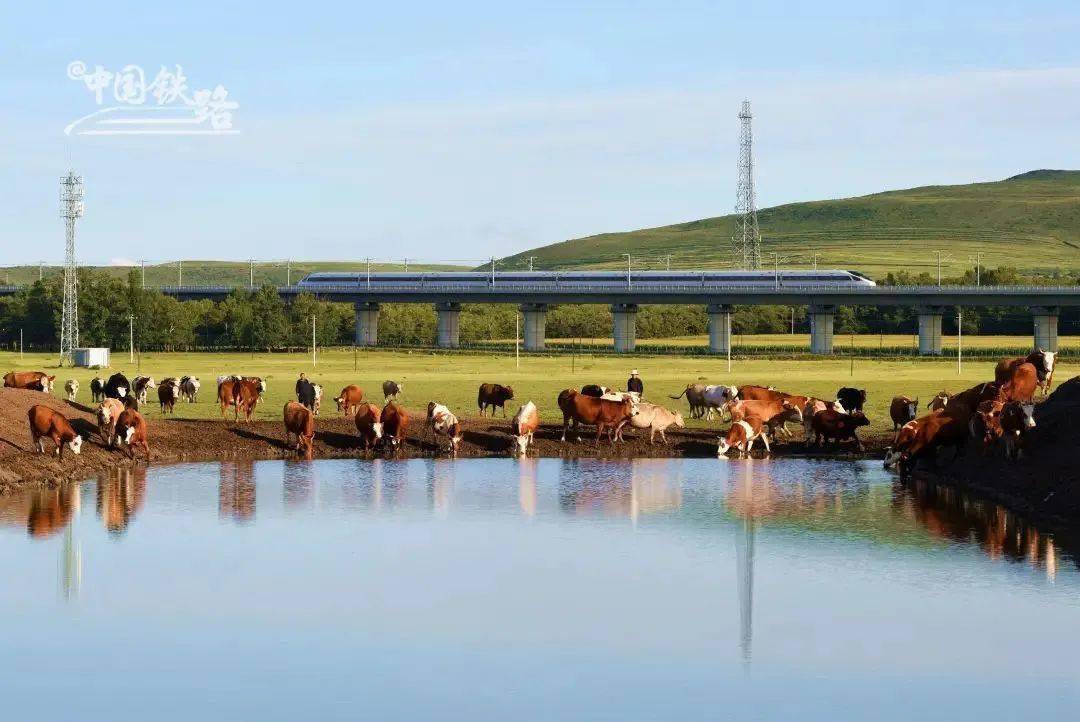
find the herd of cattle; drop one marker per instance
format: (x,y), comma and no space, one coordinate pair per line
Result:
(998,411)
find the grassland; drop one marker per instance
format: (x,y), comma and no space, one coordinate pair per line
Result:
(217,273)
(1031,222)
(453,379)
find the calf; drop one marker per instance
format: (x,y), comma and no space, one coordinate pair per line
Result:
(32,380)
(524,424)
(395,422)
(902,410)
(189,388)
(97,389)
(117,387)
(1016,421)
(595,390)
(444,423)
(318,397)
(131,432)
(604,414)
(368,420)
(349,399)
(655,418)
(47,423)
(742,435)
(141,385)
(851,399)
(940,401)
(108,413)
(835,426)
(299,422)
(168,394)
(495,396)
(811,407)
(71,388)
(391,390)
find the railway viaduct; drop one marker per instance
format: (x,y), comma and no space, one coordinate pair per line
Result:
(534,298)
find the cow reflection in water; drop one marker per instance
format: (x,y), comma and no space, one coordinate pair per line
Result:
(949,514)
(50,510)
(120,495)
(614,488)
(236,491)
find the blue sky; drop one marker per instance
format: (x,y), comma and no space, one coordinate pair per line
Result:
(454,131)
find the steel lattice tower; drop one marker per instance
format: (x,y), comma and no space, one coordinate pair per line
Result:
(71,209)
(746,244)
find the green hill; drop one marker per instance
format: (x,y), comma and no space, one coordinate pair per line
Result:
(219,273)
(1030,221)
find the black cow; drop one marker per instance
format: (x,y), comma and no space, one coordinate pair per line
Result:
(117,387)
(851,399)
(493,395)
(97,389)
(305,393)
(594,390)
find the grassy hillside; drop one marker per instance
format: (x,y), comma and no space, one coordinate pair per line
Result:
(228,273)
(1031,221)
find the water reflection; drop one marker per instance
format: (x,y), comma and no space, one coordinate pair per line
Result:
(236,491)
(950,514)
(120,495)
(527,470)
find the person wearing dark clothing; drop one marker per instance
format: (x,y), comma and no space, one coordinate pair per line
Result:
(634,384)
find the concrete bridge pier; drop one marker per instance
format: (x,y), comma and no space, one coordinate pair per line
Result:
(449,316)
(367,323)
(535,325)
(624,318)
(1046,327)
(821,328)
(719,328)
(930,330)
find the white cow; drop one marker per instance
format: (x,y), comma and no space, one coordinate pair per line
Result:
(71,387)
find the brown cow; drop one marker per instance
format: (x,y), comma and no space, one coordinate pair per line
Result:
(1021,384)
(349,399)
(902,410)
(832,425)
(1016,420)
(395,422)
(445,423)
(773,413)
(249,396)
(967,401)
(228,392)
(108,413)
(131,431)
(300,422)
(45,422)
(922,437)
(940,401)
(1043,361)
(168,394)
(368,420)
(493,395)
(32,380)
(605,414)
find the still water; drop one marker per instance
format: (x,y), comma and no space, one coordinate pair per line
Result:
(537,590)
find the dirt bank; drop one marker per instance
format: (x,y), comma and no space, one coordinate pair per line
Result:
(175,440)
(1045,484)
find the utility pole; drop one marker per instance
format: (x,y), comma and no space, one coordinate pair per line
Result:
(142,265)
(41,270)
(531,259)
(288,272)
(815,261)
(941,256)
(406,265)
(517,339)
(313,362)
(959,338)
(628,262)
(747,242)
(978,267)
(493,271)
(369,272)
(131,338)
(251,273)
(180,273)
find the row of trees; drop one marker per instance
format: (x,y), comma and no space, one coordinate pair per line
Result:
(110,308)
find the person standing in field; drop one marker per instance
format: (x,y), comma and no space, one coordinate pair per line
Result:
(634,385)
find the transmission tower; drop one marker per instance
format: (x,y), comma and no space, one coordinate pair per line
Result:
(746,243)
(71,209)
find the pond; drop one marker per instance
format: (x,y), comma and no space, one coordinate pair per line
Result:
(494,589)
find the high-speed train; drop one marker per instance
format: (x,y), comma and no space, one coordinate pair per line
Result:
(585,279)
